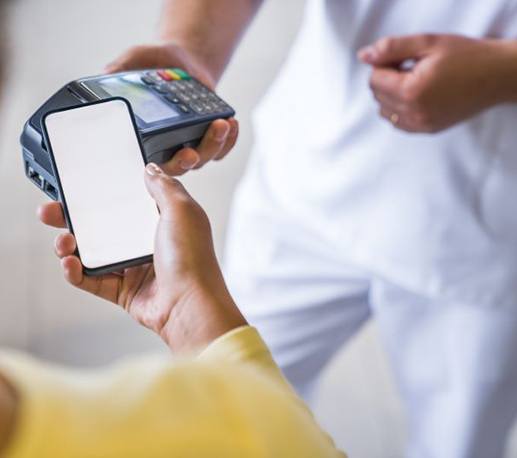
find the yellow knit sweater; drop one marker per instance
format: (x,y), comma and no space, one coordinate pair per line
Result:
(230,401)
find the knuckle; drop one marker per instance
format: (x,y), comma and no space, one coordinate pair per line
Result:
(169,182)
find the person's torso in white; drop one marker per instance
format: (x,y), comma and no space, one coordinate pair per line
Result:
(434,213)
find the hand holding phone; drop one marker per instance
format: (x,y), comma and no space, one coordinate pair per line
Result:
(181,296)
(115,226)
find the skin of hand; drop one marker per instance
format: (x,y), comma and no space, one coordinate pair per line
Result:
(222,134)
(451,78)
(182,296)
(8,411)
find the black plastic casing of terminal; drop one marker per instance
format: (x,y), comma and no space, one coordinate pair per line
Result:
(159,143)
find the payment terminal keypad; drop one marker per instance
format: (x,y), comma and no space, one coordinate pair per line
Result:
(190,96)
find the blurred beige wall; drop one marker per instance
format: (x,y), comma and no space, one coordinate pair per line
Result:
(54,41)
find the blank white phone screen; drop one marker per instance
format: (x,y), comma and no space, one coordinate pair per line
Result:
(101,170)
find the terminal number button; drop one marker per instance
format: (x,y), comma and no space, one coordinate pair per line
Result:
(172,98)
(147,80)
(184,96)
(197,107)
(162,88)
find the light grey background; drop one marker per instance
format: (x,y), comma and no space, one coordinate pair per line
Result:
(54,41)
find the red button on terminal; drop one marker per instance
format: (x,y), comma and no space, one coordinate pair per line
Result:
(164,75)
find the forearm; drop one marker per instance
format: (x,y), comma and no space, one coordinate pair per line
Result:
(210,29)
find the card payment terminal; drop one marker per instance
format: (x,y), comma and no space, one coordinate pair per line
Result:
(172,110)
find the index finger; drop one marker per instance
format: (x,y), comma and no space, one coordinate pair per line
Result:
(104,286)
(212,143)
(51,214)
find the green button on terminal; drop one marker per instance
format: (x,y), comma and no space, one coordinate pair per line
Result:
(182,73)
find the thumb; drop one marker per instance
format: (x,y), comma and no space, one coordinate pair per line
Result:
(395,50)
(167,192)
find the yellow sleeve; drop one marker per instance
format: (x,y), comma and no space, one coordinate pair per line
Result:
(231,401)
(244,345)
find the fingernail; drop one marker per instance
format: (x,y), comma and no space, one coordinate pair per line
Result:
(221,135)
(152,169)
(187,165)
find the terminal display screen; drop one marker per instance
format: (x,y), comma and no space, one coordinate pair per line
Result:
(146,104)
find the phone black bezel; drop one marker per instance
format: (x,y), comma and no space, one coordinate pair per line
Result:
(95,271)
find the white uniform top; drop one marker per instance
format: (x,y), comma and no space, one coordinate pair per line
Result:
(436,213)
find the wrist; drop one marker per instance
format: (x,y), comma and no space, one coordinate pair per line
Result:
(202,314)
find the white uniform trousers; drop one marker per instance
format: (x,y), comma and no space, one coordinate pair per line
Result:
(455,363)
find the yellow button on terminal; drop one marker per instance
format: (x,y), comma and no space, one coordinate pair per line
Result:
(173,75)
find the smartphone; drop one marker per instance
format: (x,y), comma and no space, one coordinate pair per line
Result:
(98,162)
